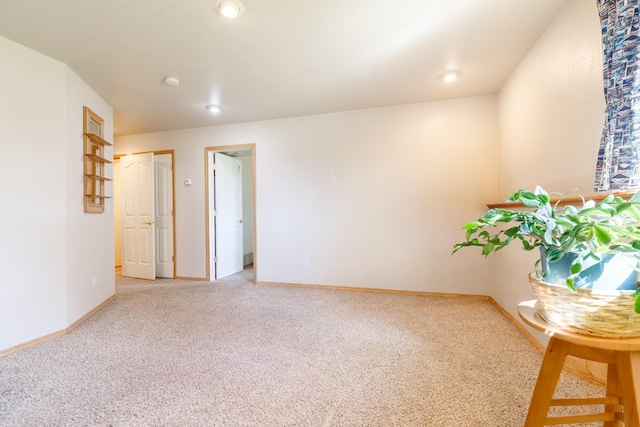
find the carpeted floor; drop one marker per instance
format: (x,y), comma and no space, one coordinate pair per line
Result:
(229,353)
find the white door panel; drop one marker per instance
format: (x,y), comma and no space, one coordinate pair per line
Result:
(164,215)
(228,218)
(138,235)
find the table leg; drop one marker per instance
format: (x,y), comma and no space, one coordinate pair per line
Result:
(547,381)
(629,375)
(613,389)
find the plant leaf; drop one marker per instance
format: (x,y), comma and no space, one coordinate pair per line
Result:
(528,199)
(487,249)
(472,225)
(543,197)
(511,232)
(603,236)
(576,267)
(623,207)
(554,254)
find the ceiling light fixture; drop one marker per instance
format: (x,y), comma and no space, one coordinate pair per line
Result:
(229,8)
(213,108)
(450,76)
(171,81)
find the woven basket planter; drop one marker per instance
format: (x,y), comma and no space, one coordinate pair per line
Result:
(603,313)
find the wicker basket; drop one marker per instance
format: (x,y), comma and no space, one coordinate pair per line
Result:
(592,312)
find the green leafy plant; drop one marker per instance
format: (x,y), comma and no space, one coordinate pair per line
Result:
(609,226)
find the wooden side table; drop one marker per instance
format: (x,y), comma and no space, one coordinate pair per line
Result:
(622,356)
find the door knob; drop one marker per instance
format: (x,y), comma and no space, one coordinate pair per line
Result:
(148,222)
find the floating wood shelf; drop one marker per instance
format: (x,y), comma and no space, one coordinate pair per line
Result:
(97,196)
(97,158)
(98,177)
(97,139)
(569,200)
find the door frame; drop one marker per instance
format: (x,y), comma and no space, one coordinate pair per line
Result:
(208,225)
(173,191)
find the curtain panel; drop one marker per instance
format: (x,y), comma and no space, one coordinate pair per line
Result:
(618,164)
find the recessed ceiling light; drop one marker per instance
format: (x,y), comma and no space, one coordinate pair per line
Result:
(171,81)
(229,8)
(213,108)
(451,75)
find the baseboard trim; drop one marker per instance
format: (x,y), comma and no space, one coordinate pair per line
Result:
(378,290)
(528,335)
(56,334)
(585,369)
(33,342)
(194,279)
(90,313)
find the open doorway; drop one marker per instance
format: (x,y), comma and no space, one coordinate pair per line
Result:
(158,231)
(231,229)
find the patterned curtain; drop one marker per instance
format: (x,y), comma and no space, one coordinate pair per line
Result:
(618,165)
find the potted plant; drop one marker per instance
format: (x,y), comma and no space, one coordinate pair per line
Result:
(576,245)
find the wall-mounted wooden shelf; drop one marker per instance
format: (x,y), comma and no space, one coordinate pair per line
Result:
(97,139)
(98,177)
(94,162)
(569,200)
(97,158)
(98,197)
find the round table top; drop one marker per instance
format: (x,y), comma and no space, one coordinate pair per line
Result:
(529,314)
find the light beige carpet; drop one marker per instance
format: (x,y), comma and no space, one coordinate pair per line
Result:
(229,353)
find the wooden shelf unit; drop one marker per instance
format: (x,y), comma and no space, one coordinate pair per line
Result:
(94,162)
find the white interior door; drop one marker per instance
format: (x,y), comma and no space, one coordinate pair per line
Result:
(164,215)
(138,218)
(228,215)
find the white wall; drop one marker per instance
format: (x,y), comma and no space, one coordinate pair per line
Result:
(551,119)
(39,177)
(33,243)
(552,107)
(90,246)
(373,198)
